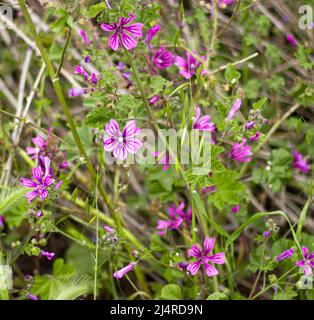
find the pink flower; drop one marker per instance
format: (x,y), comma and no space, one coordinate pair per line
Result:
(32,297)
(203,257)
(40,182)
(123,33)
(122,143)
(75,92)
(41,145)
(151,33)
(266,234)
(122,272)
(236,208)
(285,255)
(2,221)
(179,211)
(236,106)
(241,152)
(291,40)
(91,78)
(48,255)
(307,263)
(224,3)
(162,58)
(84,37)
(188,67)
(202,123)
(109,229)
(250,125)
(153,100)
(256,136)
(300,163)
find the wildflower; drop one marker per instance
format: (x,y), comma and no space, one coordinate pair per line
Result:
(241,152)
(122,272)
(188,67)
(80,70)
(179,211)
(64,165)
(2,220)
(41,145)
(210,189)
(162,58)
(256,136)
(87,59)
(84,37)
(32,297)
(125,74)
(93,78)
(151,33)
(48,255)
(225,3)
(250,125)
(266,234)
(236,208)
(203,257)
(39,214)
(40,182)
(124,33)
(202,123)
(58,184)
(300,163)
(109,229)
(235,107)
(121,143)
(285,255)
(307,263)
(291,40)
(75,92)
(173,224)
(153,100)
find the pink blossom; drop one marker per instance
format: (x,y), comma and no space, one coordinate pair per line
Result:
(188,67)
(48,255)
(202,123)
(151,33)
(256,136)
(32,297)
(162,58)
(121,143)
(250,125)
(307,263)
(224,3)
(241,152)
(291,40)
(123,33)
(204,256)
(2,220)
(84,37)
(266,234)
(299,162)
(122,272)
(153,100)
(40,182)
(236,208)
(75,92)
(41,144)
(285,255)
(235,107)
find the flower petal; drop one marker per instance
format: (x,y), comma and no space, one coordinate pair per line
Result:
(112,128)
(210,270)
(128,41)
(32,195)
(28,183)
(218,258)
(107,27)
(119,152)
(43,194)
(130,129)
(132,145)
(37,174)
(195,251)
(194,267)
(135,29)
(114,41)
(209,244)
(305,252)
(109,144)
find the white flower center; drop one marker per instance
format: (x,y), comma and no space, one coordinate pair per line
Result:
(120,139)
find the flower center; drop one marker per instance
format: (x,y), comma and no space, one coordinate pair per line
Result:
(120,139)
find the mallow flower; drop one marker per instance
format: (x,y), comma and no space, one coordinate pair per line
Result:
(202,123)
(188,67)
(124,33)
(122,272)
(307,263)
(204,257)
(241,152)
(299,162)
(121,143)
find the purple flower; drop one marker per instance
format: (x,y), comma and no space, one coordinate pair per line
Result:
(225,3)
(202,123)
(41,145)
(256,136)
(40,182)
(175,211)
(236,106)
(153,100)
(151,33)
(285,255)
(249,125)
(122,272)
(80,70)
(203,257)
(122,143)
(39,214)
(32,297)
(48,255)
(123,33)
(162,58)
(2,220)
(241,152)
(291,40)
(210,189)
(64,165)
(236,208)
(266,234)
(109,229)
(84,37)
(300,163)
(88,59)
(75,92)
(188,67)
(307,263)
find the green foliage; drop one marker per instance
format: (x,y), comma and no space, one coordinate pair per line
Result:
(171,292)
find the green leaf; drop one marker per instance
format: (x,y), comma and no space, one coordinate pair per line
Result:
(171,292)
(303,217)
(97,117)
(232,75)
(96,9)
(217,296)
(158,84)
(259,104)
